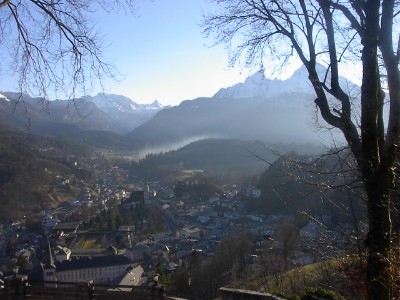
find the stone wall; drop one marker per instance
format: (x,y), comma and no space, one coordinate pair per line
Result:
(237,294)
(19,288)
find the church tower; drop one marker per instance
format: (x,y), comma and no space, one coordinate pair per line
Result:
(49,268)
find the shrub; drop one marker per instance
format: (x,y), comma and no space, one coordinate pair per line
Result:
(320,294)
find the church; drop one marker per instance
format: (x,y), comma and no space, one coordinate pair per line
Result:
(98,269)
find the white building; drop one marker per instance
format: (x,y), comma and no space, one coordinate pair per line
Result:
(189,232)
(97,269)
(62,253)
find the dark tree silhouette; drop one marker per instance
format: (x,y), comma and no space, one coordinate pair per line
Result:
(330,33)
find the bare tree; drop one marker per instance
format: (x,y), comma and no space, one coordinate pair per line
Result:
(331,32)
(52,46)
(288,239)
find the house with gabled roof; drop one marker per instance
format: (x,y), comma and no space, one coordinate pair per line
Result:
(189,232)
(62,253)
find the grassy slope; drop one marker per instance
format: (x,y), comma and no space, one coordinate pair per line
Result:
(331,275)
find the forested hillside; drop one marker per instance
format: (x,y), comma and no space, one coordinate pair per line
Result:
(306,184)
(31,172)
(227,159)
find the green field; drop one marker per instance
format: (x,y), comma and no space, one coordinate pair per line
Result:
(92,241)
(91,244)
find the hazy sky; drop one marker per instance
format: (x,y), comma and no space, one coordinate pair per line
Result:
(164,55)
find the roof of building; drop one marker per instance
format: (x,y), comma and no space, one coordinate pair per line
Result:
(66,226)
(132,277)
(62,251)
(139,246)
(191,229)
(94,262)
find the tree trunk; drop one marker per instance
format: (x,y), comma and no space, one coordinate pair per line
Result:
(376,164)
(379,277)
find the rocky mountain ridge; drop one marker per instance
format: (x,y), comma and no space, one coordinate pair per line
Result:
(104,112)
(259,108)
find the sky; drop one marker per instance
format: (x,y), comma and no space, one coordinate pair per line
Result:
(163,54)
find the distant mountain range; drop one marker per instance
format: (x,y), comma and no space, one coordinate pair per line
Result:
(260,108)
(103,112)
(124,111)
(276,111)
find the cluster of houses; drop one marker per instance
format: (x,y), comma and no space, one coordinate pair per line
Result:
(191,225)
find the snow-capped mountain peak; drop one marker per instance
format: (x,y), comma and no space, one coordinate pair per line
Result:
(257,85)
(111,102)
(155,105)
(253,86)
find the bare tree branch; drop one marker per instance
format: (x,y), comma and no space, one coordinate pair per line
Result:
(331,33)
(52,45)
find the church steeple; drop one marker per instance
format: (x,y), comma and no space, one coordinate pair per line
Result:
(49,268)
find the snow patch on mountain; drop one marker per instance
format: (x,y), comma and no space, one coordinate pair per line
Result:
(153,106)
(4,98)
